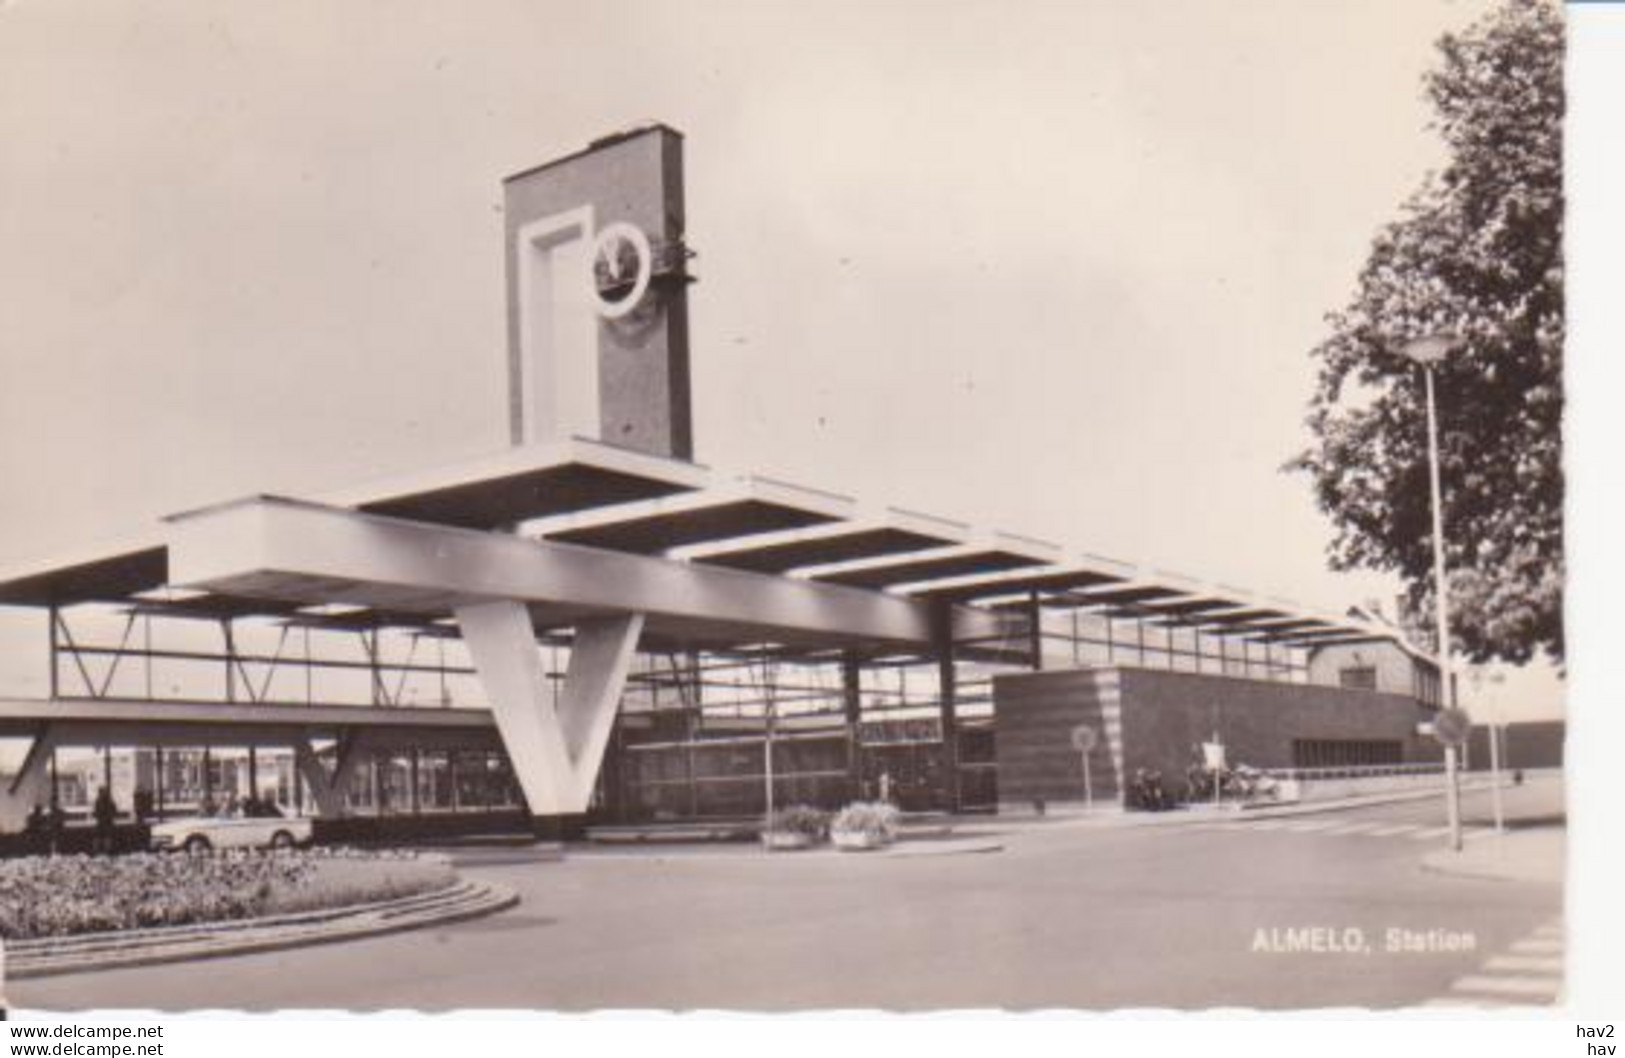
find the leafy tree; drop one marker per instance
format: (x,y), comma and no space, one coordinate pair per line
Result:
(1476,252)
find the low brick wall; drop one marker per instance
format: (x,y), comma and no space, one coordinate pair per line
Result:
(1530,744)
(1306,790)
(1153,719)
(1336,789)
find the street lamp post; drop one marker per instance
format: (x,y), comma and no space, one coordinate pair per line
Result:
(1497,756)
(1497,762)
(1427,351)
(769,674)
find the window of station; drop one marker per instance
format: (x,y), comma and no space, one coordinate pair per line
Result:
(1344,753)
(1357,677)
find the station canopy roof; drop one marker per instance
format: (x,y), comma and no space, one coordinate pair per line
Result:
(1048,579)
(110,574)
(1130,599)
(892,532)
(596,496)
(525,484)
(734,509)
(996,554)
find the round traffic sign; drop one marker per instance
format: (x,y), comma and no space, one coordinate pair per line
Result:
(1084,738)
(1451,726)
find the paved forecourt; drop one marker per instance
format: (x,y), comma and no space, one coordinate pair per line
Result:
(1068,916)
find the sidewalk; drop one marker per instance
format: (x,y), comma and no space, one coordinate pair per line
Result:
(932,826)
(1535,854)
(1116,816)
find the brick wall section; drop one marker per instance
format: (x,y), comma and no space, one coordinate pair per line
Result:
(1152,718)
(1034,715)
(1166,713)
(1528,743)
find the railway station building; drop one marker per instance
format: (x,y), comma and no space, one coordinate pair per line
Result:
(593,625)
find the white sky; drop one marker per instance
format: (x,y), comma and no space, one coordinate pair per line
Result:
(1050,267)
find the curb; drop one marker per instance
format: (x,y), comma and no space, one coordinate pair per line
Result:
(947,847)
(1491,862)
(85,953)
(904,848)
(1125,820)
(1304,808)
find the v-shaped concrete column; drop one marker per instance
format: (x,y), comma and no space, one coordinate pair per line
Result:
(29,785)
(556,754)
(328,790)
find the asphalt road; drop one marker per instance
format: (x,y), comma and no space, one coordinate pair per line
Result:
(1067,915)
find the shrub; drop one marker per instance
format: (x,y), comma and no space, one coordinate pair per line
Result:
(876,821)
(799,819)
(51,896)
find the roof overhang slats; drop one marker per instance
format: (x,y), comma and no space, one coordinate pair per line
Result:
(846,543)
(743,509)
(1044,582)
(527,484)
(960,561)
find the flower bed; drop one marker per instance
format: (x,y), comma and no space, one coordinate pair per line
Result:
(865,825)
(341,877)
(795,827)
(62,895)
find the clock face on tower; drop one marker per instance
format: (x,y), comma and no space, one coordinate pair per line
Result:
(622,265)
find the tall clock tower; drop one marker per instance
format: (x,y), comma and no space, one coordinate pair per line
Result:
(598,296)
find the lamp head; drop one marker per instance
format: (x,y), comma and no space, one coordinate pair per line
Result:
(1430,349)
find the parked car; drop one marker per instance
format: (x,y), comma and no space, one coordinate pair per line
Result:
(262,826)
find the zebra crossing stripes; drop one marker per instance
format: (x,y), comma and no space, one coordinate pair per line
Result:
(1519,985)
(1353,828)
(1546,964)
(1529,971)
(1337,828)
(1310,826)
